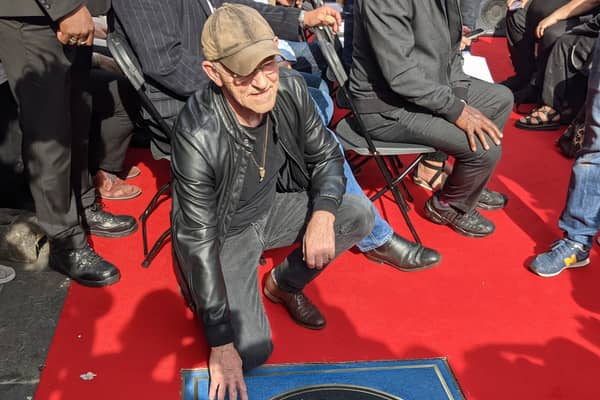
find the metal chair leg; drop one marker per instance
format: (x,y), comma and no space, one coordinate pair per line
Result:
(391,185)
(156,248)
(147,211)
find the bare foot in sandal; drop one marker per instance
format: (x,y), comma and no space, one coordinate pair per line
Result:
(431,175)
(540,119)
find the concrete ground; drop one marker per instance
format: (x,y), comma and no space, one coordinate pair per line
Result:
(30,306)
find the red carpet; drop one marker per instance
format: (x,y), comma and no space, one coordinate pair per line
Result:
(508,334)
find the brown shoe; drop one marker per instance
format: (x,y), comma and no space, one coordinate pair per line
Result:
(111,187)
(300,308)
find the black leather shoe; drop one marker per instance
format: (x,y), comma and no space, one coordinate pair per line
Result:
(490,200)
(404,255)
(471,224)
(84,266)
(98,222)
(300,308)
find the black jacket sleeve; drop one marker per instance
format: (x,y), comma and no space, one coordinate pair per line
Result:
(195,220)
(389,22)
(322,155)
(56,9)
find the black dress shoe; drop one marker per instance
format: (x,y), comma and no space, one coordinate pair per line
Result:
(300,308)
(98,222)
(490,200)
(84,266)
(471,224)
(404,255)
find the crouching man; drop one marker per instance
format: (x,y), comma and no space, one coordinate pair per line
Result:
(254,169)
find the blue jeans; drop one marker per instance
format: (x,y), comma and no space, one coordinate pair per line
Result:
(580,220)
(382,231)
(309,58)
(318,90)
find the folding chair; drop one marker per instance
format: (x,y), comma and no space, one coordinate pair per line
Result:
(125,58)
(355,137)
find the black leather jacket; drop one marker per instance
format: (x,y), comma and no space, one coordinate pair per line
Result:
(211,153)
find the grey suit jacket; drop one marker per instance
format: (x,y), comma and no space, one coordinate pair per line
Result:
(55,9)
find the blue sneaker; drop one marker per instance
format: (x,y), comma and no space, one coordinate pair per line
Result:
(565,253)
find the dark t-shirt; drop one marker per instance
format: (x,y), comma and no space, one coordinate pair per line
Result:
(257,196)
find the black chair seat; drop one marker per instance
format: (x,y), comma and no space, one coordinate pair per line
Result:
(352,141)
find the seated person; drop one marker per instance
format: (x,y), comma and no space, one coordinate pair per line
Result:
(564,78)
(115,107)
(175,76)
(580,219)
(254,169)
(538,23)
(408,86)
(169,53)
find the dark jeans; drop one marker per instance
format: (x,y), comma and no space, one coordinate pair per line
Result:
(114,106)
(520,34)
(472,169)
(47,80)
(284,226)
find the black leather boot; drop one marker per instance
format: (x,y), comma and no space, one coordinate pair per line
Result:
(98,222)
(404,255)
(83,265)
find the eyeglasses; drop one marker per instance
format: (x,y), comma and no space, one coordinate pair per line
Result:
(268,68)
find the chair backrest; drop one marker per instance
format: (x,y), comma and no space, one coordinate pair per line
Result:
(336,68)
(126,59)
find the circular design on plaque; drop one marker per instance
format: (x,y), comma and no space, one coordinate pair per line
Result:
(335,392)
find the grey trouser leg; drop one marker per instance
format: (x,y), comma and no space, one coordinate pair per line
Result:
(283,226)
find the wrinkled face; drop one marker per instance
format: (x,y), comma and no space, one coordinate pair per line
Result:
(255,92)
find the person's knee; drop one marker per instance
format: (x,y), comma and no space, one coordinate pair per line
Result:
(505,100)
(515,21)
(361,216)
(256,354)
(551,36)
(491,157)
(504,97)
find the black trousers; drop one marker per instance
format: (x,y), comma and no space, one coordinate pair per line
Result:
(472,169)
(520,34)
(13,190)
(565,80)
(47,80)
(114,108)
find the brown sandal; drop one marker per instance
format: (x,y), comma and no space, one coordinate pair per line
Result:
(439,177)
(111,187)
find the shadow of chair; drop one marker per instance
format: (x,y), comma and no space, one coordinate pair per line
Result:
(355,138)
(127,61)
